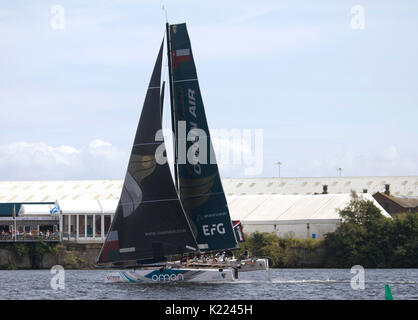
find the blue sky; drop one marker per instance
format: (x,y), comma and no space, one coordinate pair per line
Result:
(325,95)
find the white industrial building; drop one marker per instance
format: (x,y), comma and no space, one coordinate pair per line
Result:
(286,206)
(297,216)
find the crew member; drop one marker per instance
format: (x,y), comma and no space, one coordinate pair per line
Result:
(246,254)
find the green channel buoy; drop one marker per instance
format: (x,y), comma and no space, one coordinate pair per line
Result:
(388,293)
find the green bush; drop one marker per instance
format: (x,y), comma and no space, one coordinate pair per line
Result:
(37,251)
(283,252)
(72,261)
(367,238)
(20,249)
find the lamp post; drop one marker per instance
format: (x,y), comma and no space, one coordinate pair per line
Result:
(279,164)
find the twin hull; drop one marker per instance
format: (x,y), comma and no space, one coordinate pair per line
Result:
(194,274)
(170,275)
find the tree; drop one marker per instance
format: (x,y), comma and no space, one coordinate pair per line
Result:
(368,238)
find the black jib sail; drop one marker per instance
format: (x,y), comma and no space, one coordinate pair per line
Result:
(149,224)
(200,186)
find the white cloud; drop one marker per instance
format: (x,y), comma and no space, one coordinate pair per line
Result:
(97,143)
(39,161)
(67,149)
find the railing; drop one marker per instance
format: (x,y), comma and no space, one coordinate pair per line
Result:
(81,237)
(53,237)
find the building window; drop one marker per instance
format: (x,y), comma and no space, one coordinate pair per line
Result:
(81,223)
(107,223)
(89,226)
(98,225)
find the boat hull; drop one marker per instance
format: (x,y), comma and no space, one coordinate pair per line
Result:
(172,275)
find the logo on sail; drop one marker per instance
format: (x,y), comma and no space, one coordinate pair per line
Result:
(195,192)
(180,55)
(140,166)
(214,228)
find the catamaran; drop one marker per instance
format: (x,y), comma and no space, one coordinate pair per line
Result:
(158,220)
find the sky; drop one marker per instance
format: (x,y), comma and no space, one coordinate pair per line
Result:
(325,84)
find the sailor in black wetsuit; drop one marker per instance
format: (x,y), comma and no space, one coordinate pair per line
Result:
(229,254)
(245,255)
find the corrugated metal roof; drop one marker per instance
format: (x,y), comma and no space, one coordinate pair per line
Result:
(406,186)
(242,206)
(37,191)
(293,207)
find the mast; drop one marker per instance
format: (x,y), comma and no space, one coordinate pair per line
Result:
(150,224)
(162,100)
(173,114)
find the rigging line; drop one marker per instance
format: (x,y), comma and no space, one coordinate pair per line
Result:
(185,80)
(200,195)
(164,79)
(146,143)
(148,201)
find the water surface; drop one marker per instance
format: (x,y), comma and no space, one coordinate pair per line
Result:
(293,284)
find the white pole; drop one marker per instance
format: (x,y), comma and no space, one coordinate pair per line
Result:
(94,226)
(61,225)
(85,226)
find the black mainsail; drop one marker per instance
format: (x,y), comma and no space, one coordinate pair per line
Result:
(200,186)
(150,223)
